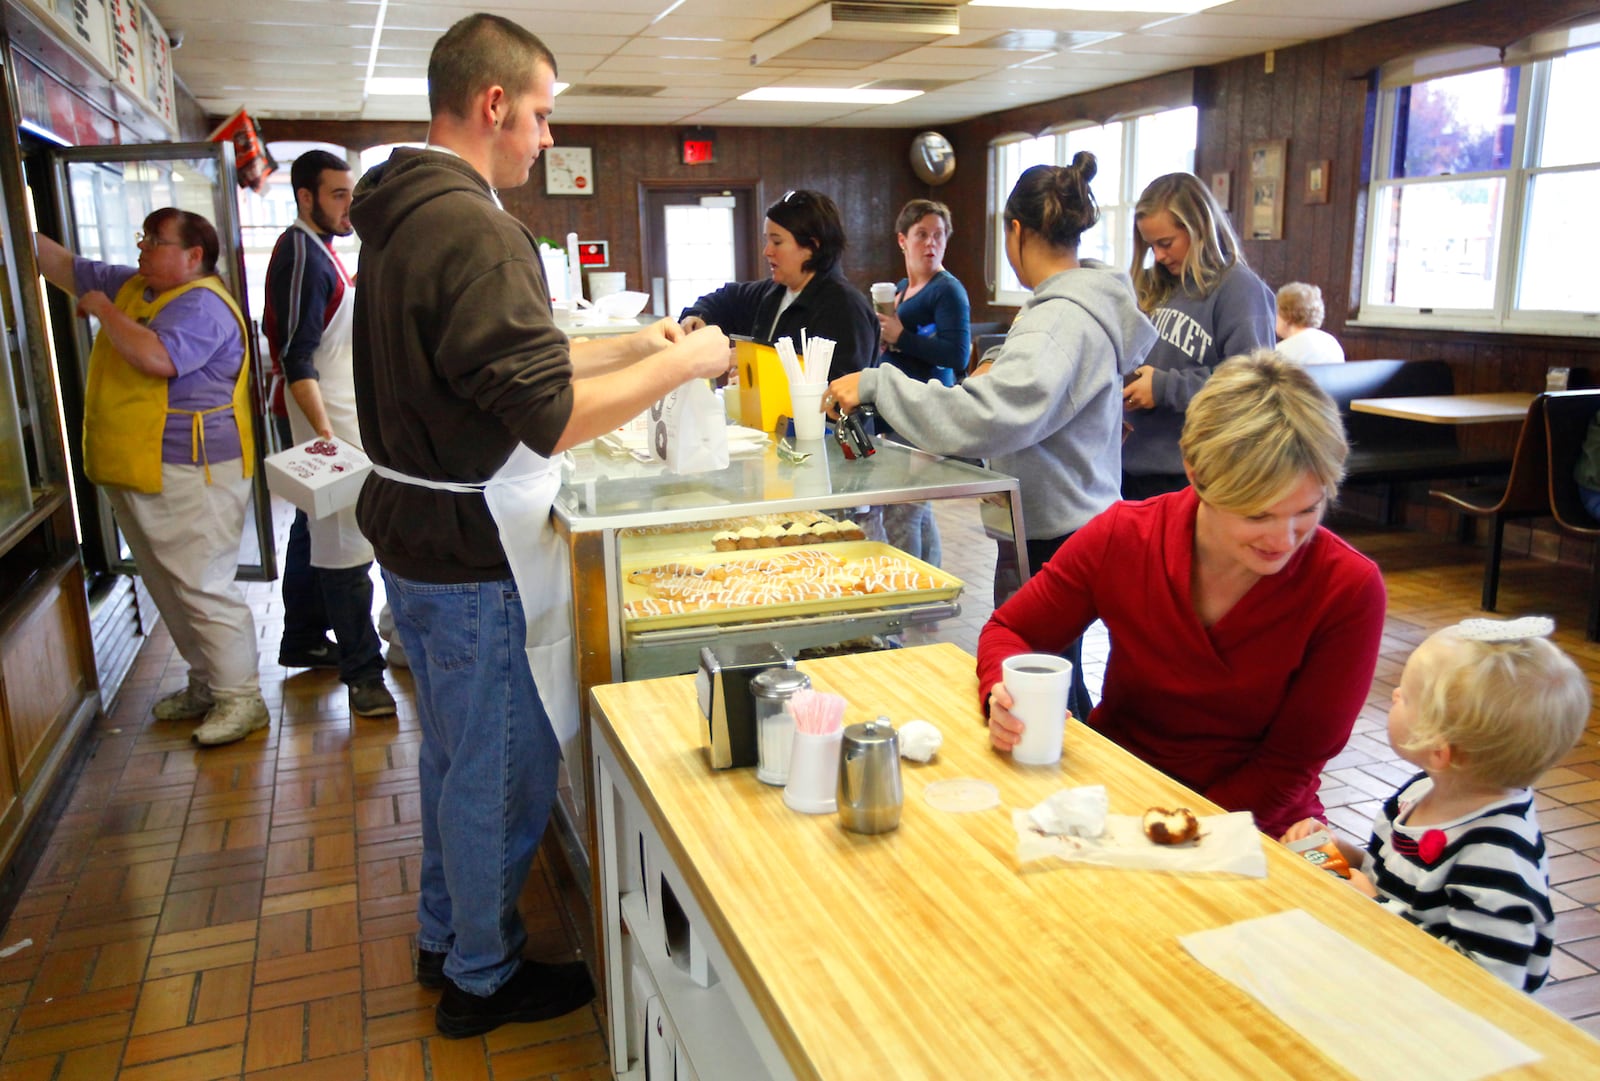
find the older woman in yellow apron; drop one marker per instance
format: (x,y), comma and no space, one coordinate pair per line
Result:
(167,435)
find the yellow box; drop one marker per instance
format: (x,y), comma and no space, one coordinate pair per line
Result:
(763,386)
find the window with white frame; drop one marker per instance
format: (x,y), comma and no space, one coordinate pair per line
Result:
(1129,154)
(1483,173)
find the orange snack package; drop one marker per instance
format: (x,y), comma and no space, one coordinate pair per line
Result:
(1321,850)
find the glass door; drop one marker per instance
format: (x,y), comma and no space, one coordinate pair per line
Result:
(697,238)
(103,194)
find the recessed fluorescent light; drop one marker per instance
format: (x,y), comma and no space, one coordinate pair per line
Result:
(1163,7)
(397,86)
(402,87)
(829,95)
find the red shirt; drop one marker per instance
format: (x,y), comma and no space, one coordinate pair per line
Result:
(1246,712)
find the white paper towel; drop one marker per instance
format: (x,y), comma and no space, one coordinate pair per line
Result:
(1228,842)
(1375,1021)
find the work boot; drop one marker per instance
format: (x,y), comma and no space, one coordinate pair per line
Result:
(430,968)
(536,992)
(189,704)
(370,698)
(232,719)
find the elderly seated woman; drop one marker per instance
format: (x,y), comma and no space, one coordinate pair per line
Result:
(1244,634)
(1300,334)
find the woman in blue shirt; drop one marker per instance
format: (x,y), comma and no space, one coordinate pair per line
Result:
(928,337)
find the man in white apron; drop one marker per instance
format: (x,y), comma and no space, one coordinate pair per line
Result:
(465,390)
(327,578)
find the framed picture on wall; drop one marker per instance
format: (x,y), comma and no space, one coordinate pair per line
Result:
(569,170)
(1319,178)
(1264,218)
(1222,188)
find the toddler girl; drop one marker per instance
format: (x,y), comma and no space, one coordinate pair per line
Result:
(1483,708)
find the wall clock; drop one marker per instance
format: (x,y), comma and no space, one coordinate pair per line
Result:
(569,170)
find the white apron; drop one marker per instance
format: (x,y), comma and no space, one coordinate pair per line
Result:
(336,540)
(520,496)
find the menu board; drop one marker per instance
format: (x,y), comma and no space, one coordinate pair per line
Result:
(157,68)
(88,24)
(123,39)
(127,46)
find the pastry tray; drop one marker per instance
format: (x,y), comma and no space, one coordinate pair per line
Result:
(948,586)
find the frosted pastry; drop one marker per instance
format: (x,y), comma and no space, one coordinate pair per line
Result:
(749,537)
(1174,827)
(771,535)
(725,541)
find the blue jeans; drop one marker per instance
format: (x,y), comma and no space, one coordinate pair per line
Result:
(488,771)
(911,528)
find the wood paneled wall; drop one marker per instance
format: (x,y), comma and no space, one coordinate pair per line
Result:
(867,171)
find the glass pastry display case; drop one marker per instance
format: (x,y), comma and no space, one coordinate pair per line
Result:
(770,549)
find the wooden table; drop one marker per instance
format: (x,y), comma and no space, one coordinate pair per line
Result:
(924,952)
(1496,408)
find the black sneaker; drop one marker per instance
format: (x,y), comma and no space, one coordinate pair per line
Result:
(370,698)
(430,968)
(537,992)
(325,654)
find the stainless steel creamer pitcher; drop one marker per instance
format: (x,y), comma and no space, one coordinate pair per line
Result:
(869,778)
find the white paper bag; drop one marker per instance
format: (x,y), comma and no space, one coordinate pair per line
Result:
(689,429)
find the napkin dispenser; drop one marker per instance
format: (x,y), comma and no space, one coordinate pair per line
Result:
(723,688)
(763,384)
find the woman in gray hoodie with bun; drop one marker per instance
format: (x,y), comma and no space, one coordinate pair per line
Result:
(1046,405)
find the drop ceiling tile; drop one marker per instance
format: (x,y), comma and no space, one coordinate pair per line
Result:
(664,46)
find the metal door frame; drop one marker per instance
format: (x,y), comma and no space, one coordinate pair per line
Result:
(231,271)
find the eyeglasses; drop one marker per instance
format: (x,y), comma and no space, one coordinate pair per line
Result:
(150,240)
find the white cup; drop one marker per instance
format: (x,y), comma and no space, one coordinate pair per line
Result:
(813,785)
(883,297)
(807,401)
(1038,684)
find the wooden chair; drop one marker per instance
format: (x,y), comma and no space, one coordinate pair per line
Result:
(1524,495)
(1567,417)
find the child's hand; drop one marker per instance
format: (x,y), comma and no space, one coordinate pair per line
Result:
(1303,828)
(1362,884)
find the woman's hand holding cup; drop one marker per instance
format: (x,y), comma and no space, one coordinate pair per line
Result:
(1005,730)
(1036,687)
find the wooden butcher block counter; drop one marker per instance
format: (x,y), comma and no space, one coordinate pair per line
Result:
(813,952)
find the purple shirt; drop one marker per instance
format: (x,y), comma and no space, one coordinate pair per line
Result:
(202,338)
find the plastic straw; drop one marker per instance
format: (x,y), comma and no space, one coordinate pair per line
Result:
(791,364)
(818,359)
(817,712)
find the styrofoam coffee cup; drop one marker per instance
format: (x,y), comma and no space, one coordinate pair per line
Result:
(883,297)
(1038,685)
(807,402)
(813,785)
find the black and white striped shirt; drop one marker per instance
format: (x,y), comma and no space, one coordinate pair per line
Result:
(1480,883)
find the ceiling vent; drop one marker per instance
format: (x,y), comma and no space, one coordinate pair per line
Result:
(610,90)
(852,35)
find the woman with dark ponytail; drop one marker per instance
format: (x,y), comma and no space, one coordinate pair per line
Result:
(1046,406)
(1207,305)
